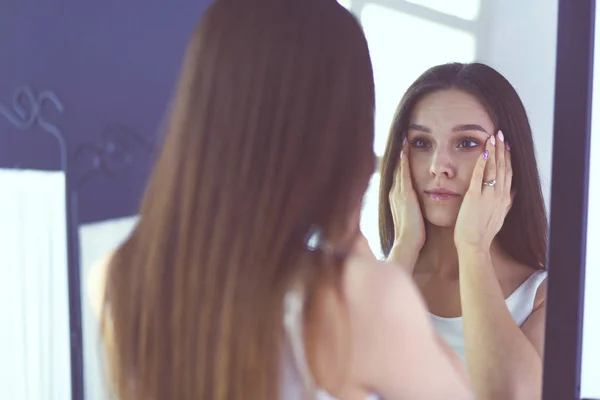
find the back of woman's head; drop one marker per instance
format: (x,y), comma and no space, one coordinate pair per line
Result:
(271,134)
(524,232)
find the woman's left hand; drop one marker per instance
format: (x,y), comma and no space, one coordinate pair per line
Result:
(488,198)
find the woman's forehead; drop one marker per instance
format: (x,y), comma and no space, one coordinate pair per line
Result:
(450,110)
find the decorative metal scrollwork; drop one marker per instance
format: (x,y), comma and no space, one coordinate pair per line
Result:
(26,112)
(115,154)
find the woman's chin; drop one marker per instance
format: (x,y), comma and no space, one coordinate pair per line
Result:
(441,219)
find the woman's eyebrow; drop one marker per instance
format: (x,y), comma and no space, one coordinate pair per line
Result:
(457,128)
(469,127)
(419,128)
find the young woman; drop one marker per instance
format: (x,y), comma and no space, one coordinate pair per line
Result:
(475,244)
(247,276)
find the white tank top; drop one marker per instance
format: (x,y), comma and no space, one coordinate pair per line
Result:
(296,380)
(520,304)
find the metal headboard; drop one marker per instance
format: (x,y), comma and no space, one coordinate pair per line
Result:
(26,113)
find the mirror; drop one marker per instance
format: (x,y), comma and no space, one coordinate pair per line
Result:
(571,326)
(406,37)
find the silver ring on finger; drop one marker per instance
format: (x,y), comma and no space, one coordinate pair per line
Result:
(490,182)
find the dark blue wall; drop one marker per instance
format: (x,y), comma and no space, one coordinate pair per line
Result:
(113,66)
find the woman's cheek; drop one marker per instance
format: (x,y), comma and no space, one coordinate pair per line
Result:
(467,161)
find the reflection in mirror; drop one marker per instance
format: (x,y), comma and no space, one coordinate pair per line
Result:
(502,301)
(406,38)
(489,31)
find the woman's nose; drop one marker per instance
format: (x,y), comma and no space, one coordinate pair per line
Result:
(442,164)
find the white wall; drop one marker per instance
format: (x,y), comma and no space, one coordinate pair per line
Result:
(590,357)
(521,45)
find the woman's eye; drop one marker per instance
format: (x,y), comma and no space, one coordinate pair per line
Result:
(419,143)
(468,143)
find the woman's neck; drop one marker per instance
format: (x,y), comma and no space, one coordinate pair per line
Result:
(440,257)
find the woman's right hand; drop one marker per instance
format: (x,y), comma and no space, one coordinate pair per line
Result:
(409,228)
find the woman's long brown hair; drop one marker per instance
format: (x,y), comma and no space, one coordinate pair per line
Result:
(270,134)
(524,233)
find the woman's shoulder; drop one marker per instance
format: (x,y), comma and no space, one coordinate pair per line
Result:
(368,280)
(96,283)
(376,288)
(390,326)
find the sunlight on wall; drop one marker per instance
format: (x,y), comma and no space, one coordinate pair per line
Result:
(465,9)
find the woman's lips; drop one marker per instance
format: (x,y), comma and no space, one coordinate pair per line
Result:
(441,195)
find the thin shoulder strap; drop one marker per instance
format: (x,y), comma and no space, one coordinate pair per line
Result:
(522,301)
(534,281)
(294,329)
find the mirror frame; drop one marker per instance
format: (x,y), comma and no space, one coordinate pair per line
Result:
(569,199)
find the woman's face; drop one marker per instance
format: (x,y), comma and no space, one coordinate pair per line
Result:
(446,133)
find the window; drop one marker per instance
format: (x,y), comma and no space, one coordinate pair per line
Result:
(402,47)
(406,37)
(465,9)
(346,3)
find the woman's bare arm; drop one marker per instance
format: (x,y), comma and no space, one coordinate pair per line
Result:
(505,361)
(404,358)
(404,255)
